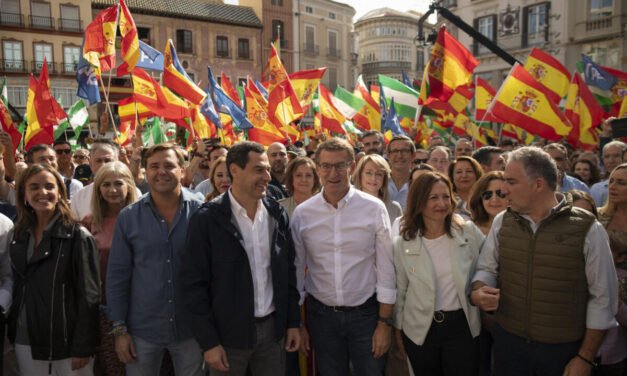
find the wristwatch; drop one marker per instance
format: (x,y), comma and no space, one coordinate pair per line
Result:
(386,320)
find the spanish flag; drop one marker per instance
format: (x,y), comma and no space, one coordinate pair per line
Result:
(549,72)
(256,93)
(177,107)
(331,118)
(130,42)
(276,70)
(263,131)
(484,93)
(283,105)
(9,127)
(228,88)
(524,102)
(305,84)
(40,117)
(99,44)
(451,65)
(148,92)
(369,116)
(126,130)
(584,113)
(175,77)
(129,110)
(201,126)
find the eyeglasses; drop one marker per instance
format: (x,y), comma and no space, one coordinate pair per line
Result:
(419,161)
(63,151)
(79,156)
(339,167)
(400,151)
(488,194)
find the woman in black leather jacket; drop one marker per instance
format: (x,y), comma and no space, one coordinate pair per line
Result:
(54,319)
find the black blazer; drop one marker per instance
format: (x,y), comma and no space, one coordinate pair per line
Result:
(216,280)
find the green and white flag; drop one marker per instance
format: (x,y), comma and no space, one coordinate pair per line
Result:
(153,134)
(405,98)
(77,118)
(4,92)
(349,127)
(169,131)
(347,103)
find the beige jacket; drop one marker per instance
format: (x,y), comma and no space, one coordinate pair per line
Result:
(415,280)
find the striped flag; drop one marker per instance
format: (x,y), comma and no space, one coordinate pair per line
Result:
(369,117)
(584,113)
(347,103)
(549,72)
(305,84)
(405,98)
(330,118)
(77,118)
(128,32)
(99,42)
(484,93)
(175,77)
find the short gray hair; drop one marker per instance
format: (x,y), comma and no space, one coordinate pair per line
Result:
(103,143)
(616,143)
(537,164)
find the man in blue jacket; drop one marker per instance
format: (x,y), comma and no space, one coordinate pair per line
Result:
(238,276)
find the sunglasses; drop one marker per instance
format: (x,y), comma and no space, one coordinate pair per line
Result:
(488,194)
(63,151)
(78,156)
(418,161)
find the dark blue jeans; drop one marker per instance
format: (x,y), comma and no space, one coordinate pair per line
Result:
(515,356)
(342,337)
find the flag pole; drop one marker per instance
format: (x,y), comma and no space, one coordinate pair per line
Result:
(115,35)
(283,110)
(109,107)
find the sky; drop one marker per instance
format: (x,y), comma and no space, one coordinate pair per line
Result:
(364,6)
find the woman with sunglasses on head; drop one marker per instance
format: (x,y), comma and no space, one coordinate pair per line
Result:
(435,258)
(56,291)
(487,200)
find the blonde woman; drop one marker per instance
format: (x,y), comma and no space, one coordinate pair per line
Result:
(371,176)
(219,178)
(114,189)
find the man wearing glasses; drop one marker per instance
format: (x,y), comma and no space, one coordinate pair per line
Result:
(342,238)
(372,142)
(63,149)
(80,157)
(401,153)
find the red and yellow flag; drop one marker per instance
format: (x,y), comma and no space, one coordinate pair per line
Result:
(9,127)
(177,108)
(263,132)
(175,77)
(549,72)
(130,41)
(484,93)
(200,124)
(330,118)
(276,70)
(524,102)
(129,111)
(283,105)
(126,130)
(148,92)
(584,113)
(451,65)
(228,88)
(256,93)
(619,90)
(305,84)
(369,116)
(99,44)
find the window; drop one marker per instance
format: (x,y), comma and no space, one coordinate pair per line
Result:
(70,20)
(310,39)
(222,46)
(12,53)
(43,50)
(277,3)
(332,43)
(308,9)
(184,41)
(487,27)
(600,9)
(607,53)
(10,14)
(18,95)
(70,58)
(332,15)
(332,73)
(243,48)
(191,76)
(536,24)
(40,16)
(143,34)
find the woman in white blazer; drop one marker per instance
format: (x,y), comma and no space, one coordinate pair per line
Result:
(435,257)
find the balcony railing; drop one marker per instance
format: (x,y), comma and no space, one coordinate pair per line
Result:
(37,65)
(334,52)
(70,25)
(243,54)
(11,19)
(13,66)
(69,68)
(223,53)
(43,23)
(311,49)
(386,65)
(604,26)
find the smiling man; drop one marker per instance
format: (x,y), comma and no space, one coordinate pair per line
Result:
(238,277)
(401,153)
(343,240)
(557,292)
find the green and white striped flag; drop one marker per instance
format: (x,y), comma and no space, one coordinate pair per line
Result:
(405,98)
(153,134)
(349,127)
(77,118)
(347,103)
(4,92)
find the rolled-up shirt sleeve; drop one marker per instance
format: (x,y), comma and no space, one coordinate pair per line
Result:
(488,264)
(602,280)
(384,248)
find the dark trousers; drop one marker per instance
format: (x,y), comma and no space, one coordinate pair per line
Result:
(515,356)
(448,350)
(341,337)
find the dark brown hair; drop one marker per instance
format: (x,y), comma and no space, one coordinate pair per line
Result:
(26,217)
(291,169)
(576,194)
(476,167)
(180,157)
(412,223)
(475,203)
(595,174)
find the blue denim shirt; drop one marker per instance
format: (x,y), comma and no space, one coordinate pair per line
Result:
(570,182)
(143,267)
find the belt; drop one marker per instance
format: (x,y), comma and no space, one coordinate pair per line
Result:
(440,317)
(259,320)
(368,303)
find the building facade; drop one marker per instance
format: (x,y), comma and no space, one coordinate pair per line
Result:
(31,31)
(323,38)
(386,45)
(565,29)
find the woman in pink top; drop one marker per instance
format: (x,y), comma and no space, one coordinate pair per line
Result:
(114,188)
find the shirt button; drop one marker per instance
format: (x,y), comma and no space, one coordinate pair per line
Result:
(163,220)
(170,301)
(169,281)
(171,319)
(168,261)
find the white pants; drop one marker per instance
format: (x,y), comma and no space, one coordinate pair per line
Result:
(30,367)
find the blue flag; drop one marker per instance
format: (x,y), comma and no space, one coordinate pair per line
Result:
(392,123)
(406,79)
(597,76)
(150,58)
(262,89)
(226,105)
(87,81)
(208,108)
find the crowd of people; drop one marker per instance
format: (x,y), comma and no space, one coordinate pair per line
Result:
(325,259)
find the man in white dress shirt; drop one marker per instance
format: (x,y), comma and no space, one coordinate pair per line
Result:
(342,238)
